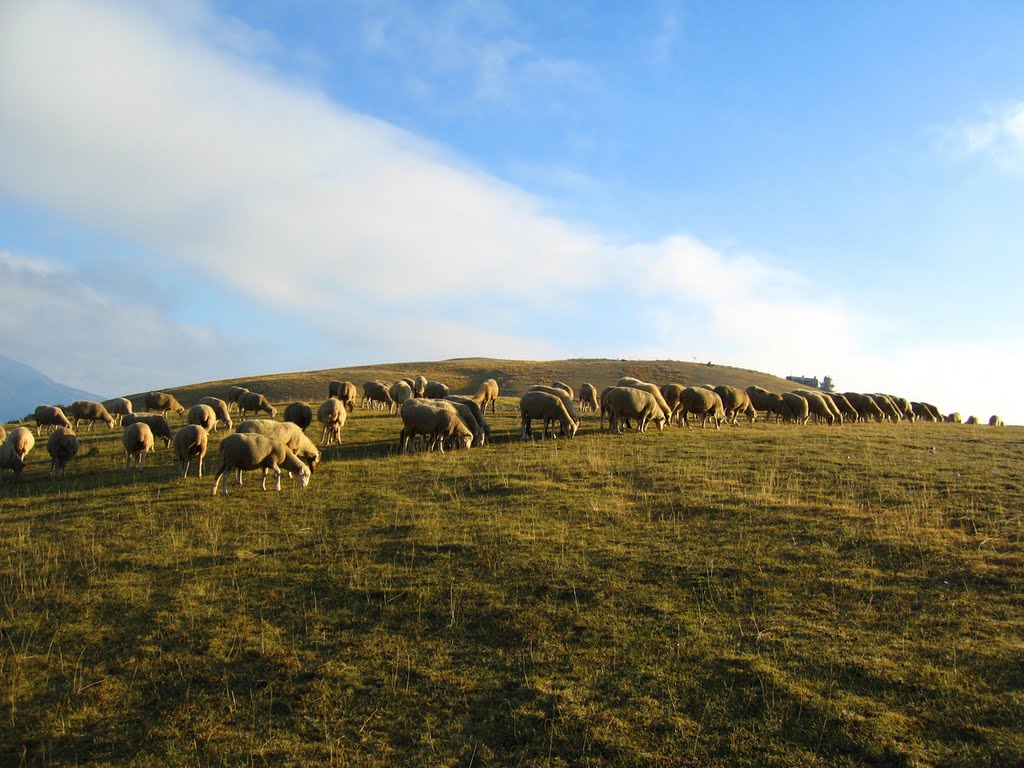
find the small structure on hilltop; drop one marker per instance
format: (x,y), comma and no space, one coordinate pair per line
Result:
(807,382)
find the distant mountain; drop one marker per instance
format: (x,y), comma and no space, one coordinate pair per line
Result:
(22,388)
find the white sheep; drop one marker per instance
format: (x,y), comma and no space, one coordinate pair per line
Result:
(625,403)
(220,408)
(478,415)
(138,441)
(434,422)
(233,394)
(563,394)
(50,416)
(588,398)
(22,441)
(243,451)
(163,402)
(190,442)
(118,407)
(436,390)
(629,381)
(203,415)
(62,446)
(547,407)
(9,459)
(332,415)
(255,402)
(299,413)
(487,393)
(286,432)
(375,393)
(400,391)
(157,424)
(88,410)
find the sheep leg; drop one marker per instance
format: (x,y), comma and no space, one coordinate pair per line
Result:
(277,473)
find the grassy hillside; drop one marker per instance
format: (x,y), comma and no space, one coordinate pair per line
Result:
(463,375)
(763,595)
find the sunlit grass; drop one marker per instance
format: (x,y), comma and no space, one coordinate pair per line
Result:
(766,595)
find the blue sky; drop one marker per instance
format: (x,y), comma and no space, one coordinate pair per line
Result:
(199,190)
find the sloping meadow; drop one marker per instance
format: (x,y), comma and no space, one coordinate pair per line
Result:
(759,595)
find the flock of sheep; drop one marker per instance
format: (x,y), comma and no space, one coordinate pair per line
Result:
(432,418)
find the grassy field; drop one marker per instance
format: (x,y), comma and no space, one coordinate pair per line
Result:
(764,595)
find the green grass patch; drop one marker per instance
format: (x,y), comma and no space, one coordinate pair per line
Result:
(765,595)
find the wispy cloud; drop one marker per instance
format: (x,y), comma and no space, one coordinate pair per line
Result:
(479,51)
(999,137)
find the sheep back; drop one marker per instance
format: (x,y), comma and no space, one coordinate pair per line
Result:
(22,440)
(299,413)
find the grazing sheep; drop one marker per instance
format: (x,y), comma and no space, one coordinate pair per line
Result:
(548,407)
(50,416)
(605,408)
(22,440)
(865,406)
(246,451)
(564,387)
(795,408)
(588,398)
(973,420)
(163,402)
(419,387)
(288,433)
(934,411)
(478,416)
(202,415)
(629,381)
(88,410)
(254,402)
(434,422)
(953,418)
(347,393)
(435,390)
(190,442)
(233,394)
(736,401)
(703,402)
(996,421)
(846,409)
(62,446)
(331,414)
(903,406)
(671,393)
(625,403)
(220,408)
(376,394)
(763,400)
(157,425)
(816,405)
(400,391)
(886,406)
(299,413)
(118,407)
(486,394)
(468,415)
(9,458)
(138,441)
(562,395)
(921,412)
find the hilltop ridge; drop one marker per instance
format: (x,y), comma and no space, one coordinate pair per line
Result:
(464,374)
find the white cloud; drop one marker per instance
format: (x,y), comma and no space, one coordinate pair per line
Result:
(999,137)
